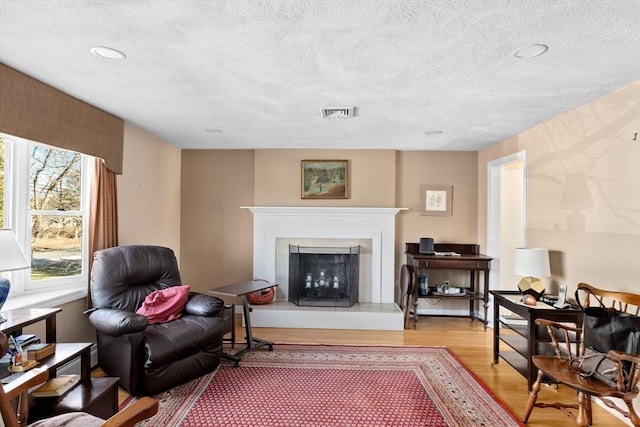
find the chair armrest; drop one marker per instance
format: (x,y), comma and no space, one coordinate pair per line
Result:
(17,389)
(116,322)
(140,410)
(204,305)
(621,356)
(26,381)
(627,370)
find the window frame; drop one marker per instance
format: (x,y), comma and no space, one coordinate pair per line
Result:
(18,217)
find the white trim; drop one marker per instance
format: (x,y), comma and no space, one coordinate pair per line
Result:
(493,214)
(52,298)
(18,218)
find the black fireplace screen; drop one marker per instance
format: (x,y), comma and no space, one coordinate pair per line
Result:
(323,277)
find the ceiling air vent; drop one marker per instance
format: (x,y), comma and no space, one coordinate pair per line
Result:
(342,113)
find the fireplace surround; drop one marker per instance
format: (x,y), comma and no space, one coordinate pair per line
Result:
(376,308)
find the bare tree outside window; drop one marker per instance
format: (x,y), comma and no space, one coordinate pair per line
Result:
(56,219)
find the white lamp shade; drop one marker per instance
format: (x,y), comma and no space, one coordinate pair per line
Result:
(531,262)
(11,256)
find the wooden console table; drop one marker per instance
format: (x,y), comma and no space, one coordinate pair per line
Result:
(469,260)
(96,396)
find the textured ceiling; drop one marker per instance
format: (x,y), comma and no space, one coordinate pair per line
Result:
(255,73)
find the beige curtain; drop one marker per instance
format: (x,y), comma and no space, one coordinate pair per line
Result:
(103,214)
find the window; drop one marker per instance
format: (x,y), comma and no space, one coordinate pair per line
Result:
(44,198)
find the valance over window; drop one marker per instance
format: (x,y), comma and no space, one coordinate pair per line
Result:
(33,110)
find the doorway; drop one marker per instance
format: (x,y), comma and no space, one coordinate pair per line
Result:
(506,217)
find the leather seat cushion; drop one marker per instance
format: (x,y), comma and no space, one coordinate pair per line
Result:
(180,338)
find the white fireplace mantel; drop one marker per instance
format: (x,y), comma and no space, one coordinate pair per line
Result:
(322,211)
(375,223)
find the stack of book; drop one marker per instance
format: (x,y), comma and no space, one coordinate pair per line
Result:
(27,339)
(56,387)
(40,351)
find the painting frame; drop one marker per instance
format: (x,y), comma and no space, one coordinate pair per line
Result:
(333,175)
(436,200)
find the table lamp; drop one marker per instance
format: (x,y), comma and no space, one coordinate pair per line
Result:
(532,263)
(11,258)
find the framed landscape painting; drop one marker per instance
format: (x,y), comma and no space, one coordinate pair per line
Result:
(324,179)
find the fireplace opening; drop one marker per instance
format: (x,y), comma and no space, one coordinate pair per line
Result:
(323,276)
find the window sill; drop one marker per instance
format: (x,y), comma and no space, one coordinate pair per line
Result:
(37,299)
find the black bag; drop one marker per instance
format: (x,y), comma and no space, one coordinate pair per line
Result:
(597,365)
(608,329)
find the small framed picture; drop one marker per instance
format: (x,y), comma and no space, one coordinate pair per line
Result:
(324,179)
(435,199)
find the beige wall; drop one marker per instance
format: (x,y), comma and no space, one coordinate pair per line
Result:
(382,178)
(594,234)
(72,325)
(456,168)
(216,235)
(149,191)
(217,238)
(371,176)
(148,212)
(190,200)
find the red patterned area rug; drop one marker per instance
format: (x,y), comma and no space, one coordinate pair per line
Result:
(319,385)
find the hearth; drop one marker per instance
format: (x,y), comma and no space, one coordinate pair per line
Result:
(323,276)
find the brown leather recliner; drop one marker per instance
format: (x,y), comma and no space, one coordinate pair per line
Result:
(150,358)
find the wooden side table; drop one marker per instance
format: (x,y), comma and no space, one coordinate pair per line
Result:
(18,319)
(96,396)
(241,290)
(521,334)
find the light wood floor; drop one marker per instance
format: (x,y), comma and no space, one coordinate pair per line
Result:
(469,342)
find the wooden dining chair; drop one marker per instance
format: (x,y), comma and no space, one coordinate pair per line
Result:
(408,301)
(568,343)
(14,404)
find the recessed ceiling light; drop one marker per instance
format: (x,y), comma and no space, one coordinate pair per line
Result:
(107,52)
(531,51)
(433,132)
(213,130)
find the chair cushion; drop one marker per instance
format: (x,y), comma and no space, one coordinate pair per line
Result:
(164,305)
(71,419)
(170,341)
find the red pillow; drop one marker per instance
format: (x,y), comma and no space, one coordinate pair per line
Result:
(165,304)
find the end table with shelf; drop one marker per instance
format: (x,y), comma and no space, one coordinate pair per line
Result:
(97,396)
(516,337)
(241,290)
